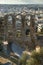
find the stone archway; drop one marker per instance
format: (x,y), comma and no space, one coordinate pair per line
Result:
(9,31)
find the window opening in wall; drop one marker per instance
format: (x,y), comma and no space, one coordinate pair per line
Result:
(27,32)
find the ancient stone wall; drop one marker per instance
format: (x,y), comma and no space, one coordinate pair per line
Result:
(16,28)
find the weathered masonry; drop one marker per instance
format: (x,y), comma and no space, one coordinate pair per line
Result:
(13,27)
(17,27)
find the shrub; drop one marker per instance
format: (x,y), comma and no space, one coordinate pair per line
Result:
(36,58)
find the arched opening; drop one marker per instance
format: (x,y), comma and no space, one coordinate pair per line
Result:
(18,23)
(9,24)
(10,19)
(27,32)
(18,33)
(28,20)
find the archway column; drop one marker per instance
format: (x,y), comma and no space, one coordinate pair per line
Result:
(32,31)
(23,26)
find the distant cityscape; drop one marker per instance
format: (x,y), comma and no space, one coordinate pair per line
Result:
(13,8)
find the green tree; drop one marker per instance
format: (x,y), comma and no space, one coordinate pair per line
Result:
(23,59)
(36,58)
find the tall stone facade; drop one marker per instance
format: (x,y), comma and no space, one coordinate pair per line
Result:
(16,28)
(12,28)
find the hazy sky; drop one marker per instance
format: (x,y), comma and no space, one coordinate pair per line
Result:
(21,2)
